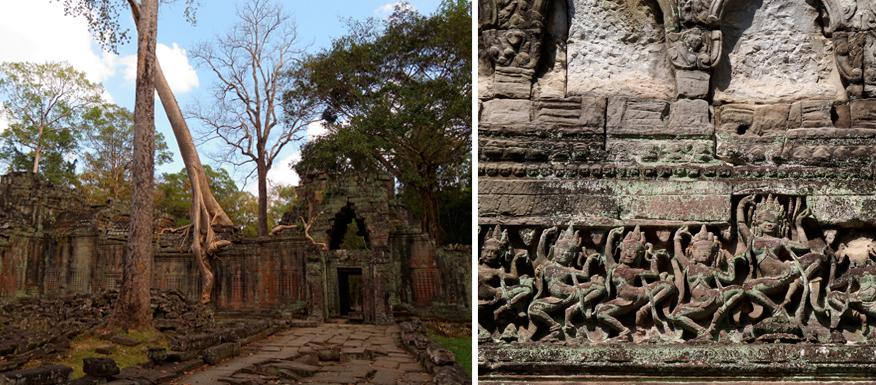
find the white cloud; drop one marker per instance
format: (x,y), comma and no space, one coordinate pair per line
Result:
(280,174)
(4,123)
(180,74)
(316,129)
(386,9)
(38,31)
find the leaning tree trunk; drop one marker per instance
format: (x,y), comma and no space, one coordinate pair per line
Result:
(205,210)
(132,309)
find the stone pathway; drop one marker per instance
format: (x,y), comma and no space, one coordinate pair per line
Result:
(326,354)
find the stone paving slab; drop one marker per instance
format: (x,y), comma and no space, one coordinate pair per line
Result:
(370,354)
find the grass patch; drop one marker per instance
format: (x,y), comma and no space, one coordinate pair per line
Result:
(85,346)
(459,346)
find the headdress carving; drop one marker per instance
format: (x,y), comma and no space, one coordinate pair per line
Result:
(496,241)
(770,209)
(635,238)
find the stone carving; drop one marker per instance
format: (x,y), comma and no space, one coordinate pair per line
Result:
(706,292)
(779,284)
(659,166)
(694,48)
(640,289)
(849,48)
(563,288)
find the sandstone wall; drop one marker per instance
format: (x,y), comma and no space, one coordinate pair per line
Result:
(666,186)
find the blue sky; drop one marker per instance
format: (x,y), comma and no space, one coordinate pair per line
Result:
(37,30)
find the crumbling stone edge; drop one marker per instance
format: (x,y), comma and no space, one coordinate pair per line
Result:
(187,353)
(437,360)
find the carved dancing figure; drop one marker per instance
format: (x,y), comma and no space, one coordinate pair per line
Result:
(698,271)
(639,289)
(561,287)
(491,270)
(773,254)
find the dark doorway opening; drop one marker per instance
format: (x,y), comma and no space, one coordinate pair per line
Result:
(344,236)
(350,292)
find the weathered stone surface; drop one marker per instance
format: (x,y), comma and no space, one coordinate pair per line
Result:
(214,354)
(617,48)
(730,204)
(100,367)
(688,116)
(692,84)
(776,52)
(863,113)
(506,111)
(43,375)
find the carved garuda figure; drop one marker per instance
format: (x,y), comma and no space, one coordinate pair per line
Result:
(631,286)
(780,257)
(706,292)
(563,288)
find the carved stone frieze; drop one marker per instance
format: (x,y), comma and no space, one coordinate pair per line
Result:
(775,275)
(675,178)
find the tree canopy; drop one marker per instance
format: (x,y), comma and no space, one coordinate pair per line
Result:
(396,98)
(45,104)
(108,136)
(174,198)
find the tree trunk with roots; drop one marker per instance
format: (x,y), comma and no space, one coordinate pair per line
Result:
(205,211)
(132,309)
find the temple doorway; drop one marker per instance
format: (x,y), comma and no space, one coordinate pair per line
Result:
(350,292)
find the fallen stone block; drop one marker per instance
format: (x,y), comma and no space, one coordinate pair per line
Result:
(43,375)
(124,340)
(182,356)
(156,354)
(213,355)
(89,380)
(329,355)
(439,355)
(450,375)
(100,367)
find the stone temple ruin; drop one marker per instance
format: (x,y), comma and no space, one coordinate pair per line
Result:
(52,244)
(677,188)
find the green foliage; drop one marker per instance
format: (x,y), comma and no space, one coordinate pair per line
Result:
(454,214)
(352,240)
(102,18)
(85,346)
(397,97)
(51,98)
(283,198)
(459,346)
(174,198)
(107,158)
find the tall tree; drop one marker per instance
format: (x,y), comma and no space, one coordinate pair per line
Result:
(108,136)
(173,198)
(102,17)
(245,113)
(132,310)
(397,98)
(45,104)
